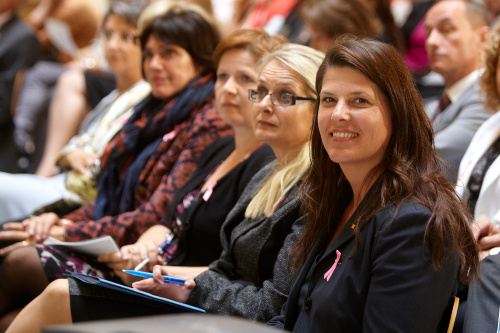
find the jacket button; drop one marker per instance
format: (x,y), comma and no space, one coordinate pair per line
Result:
(307,303)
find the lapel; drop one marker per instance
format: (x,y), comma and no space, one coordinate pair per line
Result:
(483,139)
(345,235)
(489,180)
(292,309)
(444,119)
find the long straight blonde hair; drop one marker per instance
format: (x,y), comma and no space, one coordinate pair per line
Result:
(305,61)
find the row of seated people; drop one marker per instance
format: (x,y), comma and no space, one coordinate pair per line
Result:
(74,87)
(283,120)
(47,114)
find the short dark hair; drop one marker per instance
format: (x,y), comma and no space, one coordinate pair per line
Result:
(187,28)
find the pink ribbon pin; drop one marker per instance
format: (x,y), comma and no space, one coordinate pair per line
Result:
(209,191)
(329,273)
(170,135)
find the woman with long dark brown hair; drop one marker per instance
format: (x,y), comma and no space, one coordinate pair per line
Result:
(386,238)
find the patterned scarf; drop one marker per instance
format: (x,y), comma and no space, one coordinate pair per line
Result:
(128,153)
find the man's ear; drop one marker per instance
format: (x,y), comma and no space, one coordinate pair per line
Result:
(484,35)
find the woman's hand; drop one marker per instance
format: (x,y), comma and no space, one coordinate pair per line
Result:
(129,257)
(45,225)
(79,160)
(157,286)
(33,230)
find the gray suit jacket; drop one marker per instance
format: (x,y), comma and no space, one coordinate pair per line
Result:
(455,127)
(251,278)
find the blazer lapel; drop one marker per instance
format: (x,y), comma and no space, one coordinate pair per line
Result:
(292,310)
(486,135)
(450,113)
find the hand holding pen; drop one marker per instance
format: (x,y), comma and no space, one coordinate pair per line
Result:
(162,283)
(161,250)
(166,279)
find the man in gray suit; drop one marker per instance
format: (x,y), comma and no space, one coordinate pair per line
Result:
(457,32)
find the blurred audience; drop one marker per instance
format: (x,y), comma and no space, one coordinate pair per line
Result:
(267,14)
(67,29)
(19,49)
(326,20)
(21,194)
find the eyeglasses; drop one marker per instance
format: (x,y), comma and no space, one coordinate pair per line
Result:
(281,99)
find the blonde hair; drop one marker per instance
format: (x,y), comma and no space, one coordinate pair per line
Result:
(304,61)
(490,58)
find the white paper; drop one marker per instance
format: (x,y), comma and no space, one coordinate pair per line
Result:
(60,36)
(93,247)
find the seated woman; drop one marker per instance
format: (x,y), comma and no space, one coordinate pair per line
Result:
(251,278)
(21,194)
(381,251)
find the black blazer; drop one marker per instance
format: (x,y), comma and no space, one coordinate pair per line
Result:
(388,286)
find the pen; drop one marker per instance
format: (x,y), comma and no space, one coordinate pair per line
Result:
(167,279)
(161,249)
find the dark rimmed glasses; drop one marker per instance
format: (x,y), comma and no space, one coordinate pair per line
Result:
(281,99)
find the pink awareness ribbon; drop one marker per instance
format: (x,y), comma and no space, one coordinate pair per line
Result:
(329,273)
(209,191)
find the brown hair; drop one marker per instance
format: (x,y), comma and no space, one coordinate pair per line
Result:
(187,26)
(409,170)
(489,86)
(256,41)
(336,17)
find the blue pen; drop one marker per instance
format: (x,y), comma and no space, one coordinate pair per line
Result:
(161,249)
(167,279)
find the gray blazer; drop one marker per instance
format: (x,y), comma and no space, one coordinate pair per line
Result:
(251,278)
(455,127)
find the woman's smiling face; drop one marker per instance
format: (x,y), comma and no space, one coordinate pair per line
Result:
(353,119)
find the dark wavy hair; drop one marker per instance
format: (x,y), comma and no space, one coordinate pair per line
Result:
(188,28)
(409,170)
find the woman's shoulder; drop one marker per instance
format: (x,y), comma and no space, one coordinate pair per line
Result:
(405,212)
